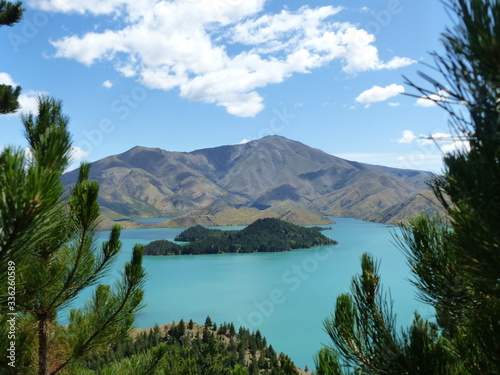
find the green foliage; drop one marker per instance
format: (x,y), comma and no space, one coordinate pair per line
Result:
(30,191)
(195,233)
(456,261)
(196,350)
(264,235)
(162,247)
(8,99)
(52,239)
(363,329)
(327,362)
(10,13)
(178,330)
(239,370)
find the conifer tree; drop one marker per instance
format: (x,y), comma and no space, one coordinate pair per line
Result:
(456,261)
(30,188)
(53,241)
(9,99)
(9,14)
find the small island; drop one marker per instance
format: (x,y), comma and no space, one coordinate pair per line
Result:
(263,235)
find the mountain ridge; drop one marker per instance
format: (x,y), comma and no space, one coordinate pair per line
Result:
(258,174)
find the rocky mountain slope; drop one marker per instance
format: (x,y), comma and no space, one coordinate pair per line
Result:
(266,173)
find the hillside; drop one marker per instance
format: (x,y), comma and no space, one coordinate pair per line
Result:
(264,235)
(189,348)
(223,216)
(259,174)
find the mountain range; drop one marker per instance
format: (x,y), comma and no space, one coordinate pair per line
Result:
(272,174)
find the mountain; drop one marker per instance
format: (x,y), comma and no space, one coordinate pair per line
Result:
(266,173)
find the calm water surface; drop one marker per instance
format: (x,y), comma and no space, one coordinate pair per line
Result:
(285,295)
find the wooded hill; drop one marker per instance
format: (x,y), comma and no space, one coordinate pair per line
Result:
(189,348)
(264,235)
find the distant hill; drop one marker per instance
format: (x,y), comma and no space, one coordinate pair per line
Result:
(222,216)
(266,173)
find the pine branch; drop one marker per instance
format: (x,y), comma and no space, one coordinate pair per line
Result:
(10,13)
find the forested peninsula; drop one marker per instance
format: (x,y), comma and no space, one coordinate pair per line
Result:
(189,348)
(264,235)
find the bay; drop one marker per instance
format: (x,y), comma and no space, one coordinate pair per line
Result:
(285,295)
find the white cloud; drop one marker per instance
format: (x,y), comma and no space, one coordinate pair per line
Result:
(407,137)
(460,146)
(78,154)
(273,29)
(355,48)
(393,104)
(28,101)
(445,142)
(217,51)
(432,100)
(243,141)
(107,84)
(380,94)
(425,102)
(437,137)
(95,7)
(449,143)
(27,98)
(396,63)
(6,79)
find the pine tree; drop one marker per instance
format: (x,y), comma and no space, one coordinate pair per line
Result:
(9,14)
(208,322)
(239,370)
(30,190)
(53,239)
(456,261)
(9,99)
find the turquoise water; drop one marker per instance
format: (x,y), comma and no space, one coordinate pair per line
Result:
(284,295)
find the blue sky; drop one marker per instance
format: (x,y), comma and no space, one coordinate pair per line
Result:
(189,74)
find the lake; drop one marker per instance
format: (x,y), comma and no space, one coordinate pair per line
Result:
(285,295)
